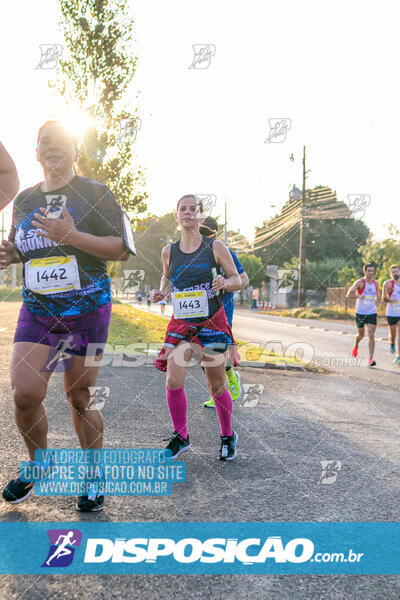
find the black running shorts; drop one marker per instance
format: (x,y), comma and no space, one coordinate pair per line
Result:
(362,320)
(392,320)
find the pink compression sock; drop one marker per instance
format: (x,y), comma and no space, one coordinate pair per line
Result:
(177,405)
(224,407)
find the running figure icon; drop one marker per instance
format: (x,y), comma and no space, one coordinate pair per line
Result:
(62,549)
(61,348)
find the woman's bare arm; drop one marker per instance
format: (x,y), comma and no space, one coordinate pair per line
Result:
(9,182)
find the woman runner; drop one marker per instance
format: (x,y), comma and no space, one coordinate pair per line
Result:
(64,229)
(190,272)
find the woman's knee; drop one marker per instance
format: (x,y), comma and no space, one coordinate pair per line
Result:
(79,399)
(217,387)
(174,382)
(27,400)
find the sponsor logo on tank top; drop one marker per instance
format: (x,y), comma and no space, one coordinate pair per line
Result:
(201,286)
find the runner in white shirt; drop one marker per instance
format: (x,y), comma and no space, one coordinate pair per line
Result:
(367,290)
(391,295)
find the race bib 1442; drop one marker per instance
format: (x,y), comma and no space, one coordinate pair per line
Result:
(53,274)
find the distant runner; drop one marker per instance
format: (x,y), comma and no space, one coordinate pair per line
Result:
(391,295)
(162,306)
(367,291)
(254,305)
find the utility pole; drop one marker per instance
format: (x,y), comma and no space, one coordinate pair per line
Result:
(2,273)
(303,240)
(2,225)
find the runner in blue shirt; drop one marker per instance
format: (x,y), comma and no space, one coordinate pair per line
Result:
(209,228)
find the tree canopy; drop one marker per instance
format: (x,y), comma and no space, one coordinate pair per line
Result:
(328,237)
(95,78)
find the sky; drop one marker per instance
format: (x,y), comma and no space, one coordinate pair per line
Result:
(329,69)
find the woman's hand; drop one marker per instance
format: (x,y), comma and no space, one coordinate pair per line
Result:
(219,283)
(62,231)
(156,296)
(7,254)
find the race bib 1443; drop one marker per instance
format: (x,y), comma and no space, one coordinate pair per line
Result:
(190,304)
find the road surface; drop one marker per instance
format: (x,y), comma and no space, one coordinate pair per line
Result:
(300,420)
(325,343)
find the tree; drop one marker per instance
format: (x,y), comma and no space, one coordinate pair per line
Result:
(383,253)
(236,241)
(254,268)
(95,78)
(326,273)
(326,237)
(347,276)
(152,234)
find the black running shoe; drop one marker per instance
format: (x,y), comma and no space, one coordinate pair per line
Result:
(18,491)
(86,505)
(227,450)
(177,444)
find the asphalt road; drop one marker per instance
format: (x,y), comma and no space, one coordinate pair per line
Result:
(300,420)
(325,343)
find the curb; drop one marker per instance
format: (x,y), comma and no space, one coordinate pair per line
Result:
(257,365)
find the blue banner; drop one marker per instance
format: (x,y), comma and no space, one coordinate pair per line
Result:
(361,548)
(113,472)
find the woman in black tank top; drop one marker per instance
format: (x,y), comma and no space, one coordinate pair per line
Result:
(193,271)
(190,274)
